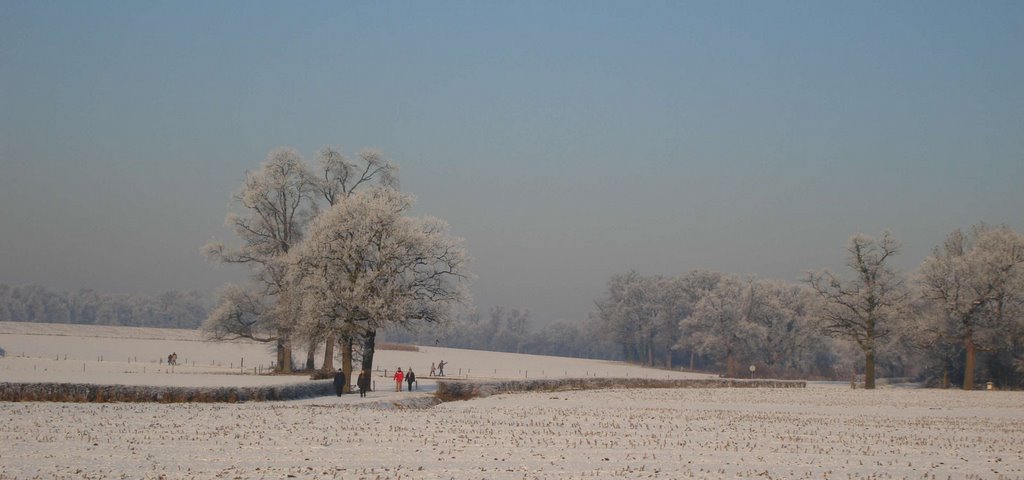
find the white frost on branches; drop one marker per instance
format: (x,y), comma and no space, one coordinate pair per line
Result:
(974,284)
(366,265)
(866,307)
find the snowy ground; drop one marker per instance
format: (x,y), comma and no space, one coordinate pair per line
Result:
(138,356)
(823,431)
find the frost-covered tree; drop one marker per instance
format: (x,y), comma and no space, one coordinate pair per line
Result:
(276,205)
(975,285)
(630,315)
(366,265)
(686,291)
(240,313)
(865,308)
(788,341)
(722,325)
(336,178)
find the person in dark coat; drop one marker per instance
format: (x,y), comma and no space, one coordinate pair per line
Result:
(339,382)
(363,382)
(409,378)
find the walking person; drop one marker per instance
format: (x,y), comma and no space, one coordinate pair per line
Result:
(433,369)
(339,382)
(363,382)
(399,376)
(409,378)
(440,368)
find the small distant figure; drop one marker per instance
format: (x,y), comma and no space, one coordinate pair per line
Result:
(399,376)
(339,382)
(433,369)
(409,378)
(363,382)
(172,359)
(440,368)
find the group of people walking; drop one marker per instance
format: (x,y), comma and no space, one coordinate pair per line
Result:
(437,370)
(409,377)
(363,381)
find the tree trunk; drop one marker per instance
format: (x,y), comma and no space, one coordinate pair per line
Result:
(369,347)
(969,361)
(346,360)
(869,369)
(730,364)
(284,355)
(329,353)
(311,355)
(693,354)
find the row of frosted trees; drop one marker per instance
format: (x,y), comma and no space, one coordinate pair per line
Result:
(965,302)
(708,320)
(512,330)
(35,303)
(333,256)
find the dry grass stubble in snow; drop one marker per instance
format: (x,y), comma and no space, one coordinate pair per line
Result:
(818,432)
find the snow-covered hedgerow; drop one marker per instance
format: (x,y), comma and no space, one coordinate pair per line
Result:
(78,392)
(464,390)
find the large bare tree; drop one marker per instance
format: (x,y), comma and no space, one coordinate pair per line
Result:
(864,308)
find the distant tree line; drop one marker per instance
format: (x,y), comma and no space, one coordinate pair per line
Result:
(958,319)
(511,330)
(34,303)
(705,320)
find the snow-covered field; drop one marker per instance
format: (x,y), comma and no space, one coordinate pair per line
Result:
(823,431)
(40,352)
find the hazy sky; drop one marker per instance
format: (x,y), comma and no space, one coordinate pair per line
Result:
(566,141)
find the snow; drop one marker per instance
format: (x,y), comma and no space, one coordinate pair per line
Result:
(823,431)
(138,356)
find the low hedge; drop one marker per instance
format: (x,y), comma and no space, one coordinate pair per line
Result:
(80,392)
(464,390)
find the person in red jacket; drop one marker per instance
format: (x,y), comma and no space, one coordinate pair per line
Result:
(399,376)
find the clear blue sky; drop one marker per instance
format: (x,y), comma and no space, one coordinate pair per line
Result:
(566,141)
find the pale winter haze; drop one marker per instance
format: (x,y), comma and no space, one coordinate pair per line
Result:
(565,142)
